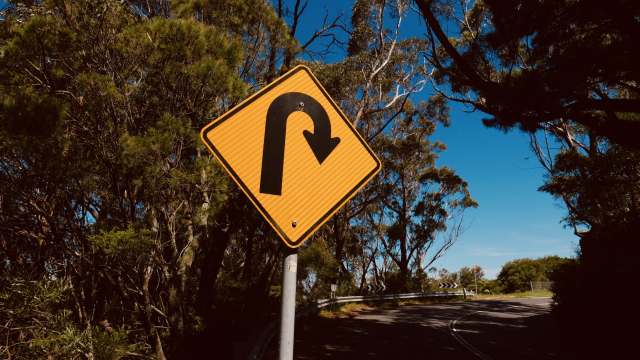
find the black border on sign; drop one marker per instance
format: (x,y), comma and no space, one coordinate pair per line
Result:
(245,189)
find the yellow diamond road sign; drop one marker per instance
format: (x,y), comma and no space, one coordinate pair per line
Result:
(294,153)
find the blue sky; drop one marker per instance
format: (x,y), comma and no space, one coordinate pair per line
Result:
(513,220)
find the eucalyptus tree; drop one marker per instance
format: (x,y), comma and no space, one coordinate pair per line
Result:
(105,183)
(525,63)
(563,71)
(422,201)
(366,248)
(443,275)
(374,85)
(468,277)
(519,62)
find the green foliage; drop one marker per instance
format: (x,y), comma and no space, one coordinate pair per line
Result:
(33,116)
(518,274)
(104,180)
(363,35)
(395,283)
(106,187)
(116,345)
(317,269)
(430,285)
(523,63)
(398,216)
(133,241)
(489,287)
(421,201)
(467,278)
(39,323)
(602,188)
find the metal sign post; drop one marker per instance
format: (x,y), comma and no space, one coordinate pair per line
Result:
(475,279)
(288,301)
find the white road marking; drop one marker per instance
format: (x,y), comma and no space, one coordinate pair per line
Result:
(452,329)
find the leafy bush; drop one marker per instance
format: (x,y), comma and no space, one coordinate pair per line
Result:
(38,323)
(317,269)
(115,345)
(489,287)
(517,275)
(467,278)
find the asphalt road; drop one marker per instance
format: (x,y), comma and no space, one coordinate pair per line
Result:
(484,329)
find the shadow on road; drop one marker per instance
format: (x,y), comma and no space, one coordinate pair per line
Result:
(422,331)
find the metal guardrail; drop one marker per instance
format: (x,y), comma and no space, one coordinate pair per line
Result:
(265,337)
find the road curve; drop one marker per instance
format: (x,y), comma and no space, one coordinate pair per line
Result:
(485,329)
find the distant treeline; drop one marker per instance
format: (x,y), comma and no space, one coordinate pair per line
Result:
(515,276)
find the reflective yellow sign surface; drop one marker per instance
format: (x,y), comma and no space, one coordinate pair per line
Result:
(293,153)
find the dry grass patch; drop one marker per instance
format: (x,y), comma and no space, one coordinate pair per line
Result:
(519,295)
(352,309)
(343,310)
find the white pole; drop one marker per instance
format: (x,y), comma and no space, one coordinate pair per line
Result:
(475,279)
(288,302)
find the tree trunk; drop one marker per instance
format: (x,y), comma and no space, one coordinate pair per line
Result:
(404,262)
(145,318)
(363,279)
(176,292)
(256,297)
(211,267)
(263,281)
(175,314)
(339,233)
(248,262)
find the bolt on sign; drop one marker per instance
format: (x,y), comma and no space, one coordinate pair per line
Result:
(293,153)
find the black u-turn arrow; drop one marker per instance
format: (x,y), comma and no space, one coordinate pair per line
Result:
(320,141)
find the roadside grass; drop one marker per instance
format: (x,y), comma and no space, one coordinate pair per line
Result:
(517,295)
(350,309)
